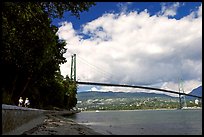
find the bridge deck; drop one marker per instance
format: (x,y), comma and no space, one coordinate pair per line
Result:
(132,86)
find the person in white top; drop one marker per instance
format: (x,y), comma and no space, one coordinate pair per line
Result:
(27,102)
(20,102)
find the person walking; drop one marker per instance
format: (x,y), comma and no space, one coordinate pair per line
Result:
(27,102)
(20,102)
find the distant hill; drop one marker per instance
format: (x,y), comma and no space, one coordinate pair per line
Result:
(197,91)
(110,94)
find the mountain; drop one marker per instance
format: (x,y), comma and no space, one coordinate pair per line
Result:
(110,94)
(197,91)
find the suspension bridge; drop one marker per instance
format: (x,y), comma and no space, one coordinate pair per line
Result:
(180,92)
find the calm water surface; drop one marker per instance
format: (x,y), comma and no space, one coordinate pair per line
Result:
(143,122)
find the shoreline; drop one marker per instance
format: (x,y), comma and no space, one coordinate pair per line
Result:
(53,123)
(188,108)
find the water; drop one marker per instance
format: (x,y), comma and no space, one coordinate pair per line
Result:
(143,122)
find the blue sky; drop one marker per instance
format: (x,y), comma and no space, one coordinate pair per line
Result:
(137,43)
(103,7)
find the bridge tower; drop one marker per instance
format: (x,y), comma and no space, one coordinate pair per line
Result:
(73,68)
(182,103)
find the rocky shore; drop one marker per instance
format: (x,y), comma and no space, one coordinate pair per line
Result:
(53,123)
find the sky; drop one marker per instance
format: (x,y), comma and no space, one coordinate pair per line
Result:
(155,44)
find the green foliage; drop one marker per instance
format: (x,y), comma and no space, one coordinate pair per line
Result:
(31,53)
(70,92)
(124,101)
(56,9)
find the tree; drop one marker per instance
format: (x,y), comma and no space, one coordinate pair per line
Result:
(31,52)
(56,9)
(70,99)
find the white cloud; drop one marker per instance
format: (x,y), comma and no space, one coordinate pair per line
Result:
(94,89)
(136,48)
(188,86)
(195,14)
(169,10)
(123,6)
(200,11)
